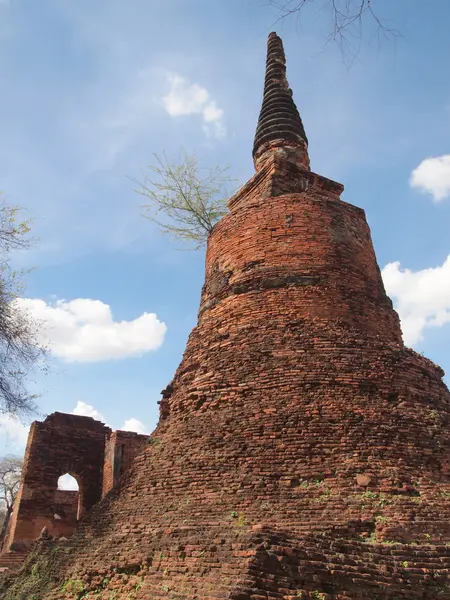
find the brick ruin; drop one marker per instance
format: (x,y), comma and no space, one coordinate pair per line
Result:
(302,449)
(80,446)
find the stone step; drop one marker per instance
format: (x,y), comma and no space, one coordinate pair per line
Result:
(12,561)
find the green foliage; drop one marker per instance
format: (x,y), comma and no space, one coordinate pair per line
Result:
(379,499)
(369,495)
(241,521)
(373,538)
(318,482)
(380,519)
(154,441)
(434,414)
(37,577)
(443,590)
(74,586)
(443,494)
(190,200)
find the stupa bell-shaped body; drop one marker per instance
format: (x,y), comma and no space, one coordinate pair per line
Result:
(298,435)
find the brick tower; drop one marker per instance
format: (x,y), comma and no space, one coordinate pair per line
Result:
(302,450)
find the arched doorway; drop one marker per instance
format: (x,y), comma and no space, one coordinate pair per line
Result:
(66,505)
(68,482)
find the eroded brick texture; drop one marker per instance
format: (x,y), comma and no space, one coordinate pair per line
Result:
(60,444)
(296,412)
(302,450)
(80,446)
(120,451)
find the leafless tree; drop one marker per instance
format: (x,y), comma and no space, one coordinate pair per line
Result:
(185,201)
(10,472)
(20,350)
(346,17)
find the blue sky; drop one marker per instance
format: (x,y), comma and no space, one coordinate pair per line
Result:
(90,90)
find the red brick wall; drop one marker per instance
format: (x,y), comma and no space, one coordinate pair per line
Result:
(297,412)
(9,538)
(61,444)
(311,245)
(120,451)
(108,466)
(64,443)
(65,506)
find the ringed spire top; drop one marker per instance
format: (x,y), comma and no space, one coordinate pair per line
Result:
(279,123)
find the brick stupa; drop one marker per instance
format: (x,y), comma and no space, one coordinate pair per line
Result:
(302,449)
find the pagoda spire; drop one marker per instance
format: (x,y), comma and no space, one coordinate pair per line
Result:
(279,125)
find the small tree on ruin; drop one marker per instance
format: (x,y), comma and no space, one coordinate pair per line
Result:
(185,201)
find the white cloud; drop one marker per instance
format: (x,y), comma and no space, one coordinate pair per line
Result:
(187,98)
(422,298)
(86,410)
(433,176)
(212,113)
(134,425)
(184,98)
(13,431)
(83,330)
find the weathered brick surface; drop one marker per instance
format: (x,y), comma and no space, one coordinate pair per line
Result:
(120,451)
(296,408)
(63,443)
(302,450)
(60,444)
(279,123)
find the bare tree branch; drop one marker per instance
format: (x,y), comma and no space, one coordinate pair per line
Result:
(184,202)
(20,351)
(10,472)
(346,20)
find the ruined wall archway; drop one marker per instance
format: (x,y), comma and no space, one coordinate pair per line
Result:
(68,498)
(68,482)
(59,445)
